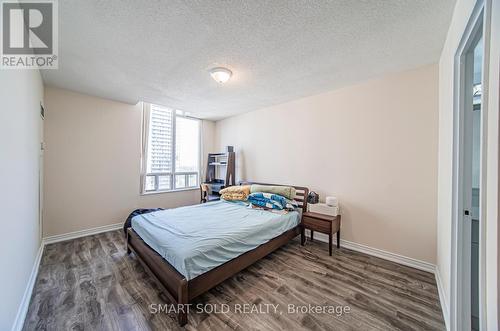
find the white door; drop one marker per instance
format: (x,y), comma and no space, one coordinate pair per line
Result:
(473,191)
(469,119)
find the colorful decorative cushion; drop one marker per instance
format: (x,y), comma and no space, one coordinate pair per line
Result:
(271,201)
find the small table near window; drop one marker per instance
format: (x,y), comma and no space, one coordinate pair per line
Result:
(322,223)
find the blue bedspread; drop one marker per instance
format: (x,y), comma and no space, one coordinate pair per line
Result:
(196,239)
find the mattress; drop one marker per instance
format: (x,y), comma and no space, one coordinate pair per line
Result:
(197,239)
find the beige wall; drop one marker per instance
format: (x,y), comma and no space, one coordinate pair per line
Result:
(208,144)
(373,145)
(21,92)
(92,163)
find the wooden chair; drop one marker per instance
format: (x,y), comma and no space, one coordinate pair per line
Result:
(203,193)
(205,196)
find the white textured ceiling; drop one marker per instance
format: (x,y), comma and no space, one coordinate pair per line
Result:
(280,50)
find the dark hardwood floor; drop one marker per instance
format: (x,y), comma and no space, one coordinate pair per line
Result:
(91,284)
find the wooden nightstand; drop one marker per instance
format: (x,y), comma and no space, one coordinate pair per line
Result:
(322,223)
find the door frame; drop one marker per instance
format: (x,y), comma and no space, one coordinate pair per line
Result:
(460,308)
(41,168)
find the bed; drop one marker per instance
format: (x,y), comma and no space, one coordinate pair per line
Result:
(190,250)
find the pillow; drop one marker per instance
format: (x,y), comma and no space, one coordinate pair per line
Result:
(235,192)
(285,191)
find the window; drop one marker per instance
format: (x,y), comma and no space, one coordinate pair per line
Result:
(171,150)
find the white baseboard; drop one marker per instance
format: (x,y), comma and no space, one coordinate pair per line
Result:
(442,299)
(401,259)
(25,302)
(404,260)
(81,233)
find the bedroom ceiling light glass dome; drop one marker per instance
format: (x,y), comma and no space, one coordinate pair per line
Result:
(220,74)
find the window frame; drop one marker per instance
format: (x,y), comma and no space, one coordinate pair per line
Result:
(146,117)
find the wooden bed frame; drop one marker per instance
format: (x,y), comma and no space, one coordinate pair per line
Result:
(181,291)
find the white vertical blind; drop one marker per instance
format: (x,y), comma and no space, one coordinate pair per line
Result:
(187,137)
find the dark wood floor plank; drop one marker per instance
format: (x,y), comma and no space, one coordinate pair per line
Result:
(90,283)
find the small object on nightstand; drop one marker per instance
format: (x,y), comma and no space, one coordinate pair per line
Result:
(313,197)
(332,201)
(322,223)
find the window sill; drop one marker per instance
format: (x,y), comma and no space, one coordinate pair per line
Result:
(171,191)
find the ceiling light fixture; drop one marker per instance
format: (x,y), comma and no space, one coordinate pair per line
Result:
(220,74)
